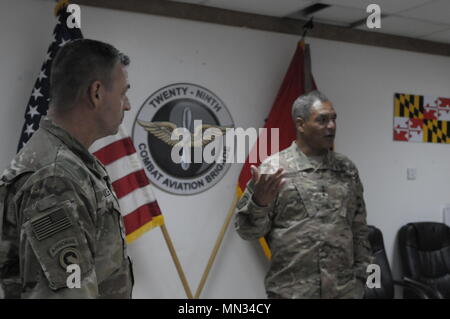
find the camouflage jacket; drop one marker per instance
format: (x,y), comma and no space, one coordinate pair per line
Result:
(57,208)
(316,228)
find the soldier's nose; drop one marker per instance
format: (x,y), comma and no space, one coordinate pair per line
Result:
(126,105)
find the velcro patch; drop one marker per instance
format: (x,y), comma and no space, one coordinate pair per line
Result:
(46,203)
(64,243)
(69,256)
(107,193)
(243,201)
(50,224)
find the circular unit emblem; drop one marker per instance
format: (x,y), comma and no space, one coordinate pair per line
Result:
(68,257)
(180,105)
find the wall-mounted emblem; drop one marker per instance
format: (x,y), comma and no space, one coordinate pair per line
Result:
(194,109)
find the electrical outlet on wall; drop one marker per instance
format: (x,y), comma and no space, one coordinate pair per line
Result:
(411,174)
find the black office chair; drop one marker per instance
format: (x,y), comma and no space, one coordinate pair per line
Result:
(387,283)
(425,254)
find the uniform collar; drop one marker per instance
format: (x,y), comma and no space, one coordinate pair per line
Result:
(74,145)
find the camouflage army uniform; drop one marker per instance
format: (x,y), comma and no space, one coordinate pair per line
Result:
(58,208)
(316,228)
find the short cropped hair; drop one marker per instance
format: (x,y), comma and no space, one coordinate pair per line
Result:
(302,105)
(79,63)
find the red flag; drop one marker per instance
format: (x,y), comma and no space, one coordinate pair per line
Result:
(138,205)
(297,81)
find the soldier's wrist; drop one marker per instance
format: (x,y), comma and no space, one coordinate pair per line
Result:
(258,203)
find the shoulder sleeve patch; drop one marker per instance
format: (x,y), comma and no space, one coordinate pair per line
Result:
(57,241)
(47,202)
(50,224)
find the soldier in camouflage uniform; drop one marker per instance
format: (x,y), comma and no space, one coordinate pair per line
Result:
(308,203)
(57,205)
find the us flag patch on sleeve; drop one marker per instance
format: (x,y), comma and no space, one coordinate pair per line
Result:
(51,224)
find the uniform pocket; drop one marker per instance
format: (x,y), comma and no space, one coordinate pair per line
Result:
(111,246)
(109,219)
(342,201)
(308,191)
(348,209)
(290,206)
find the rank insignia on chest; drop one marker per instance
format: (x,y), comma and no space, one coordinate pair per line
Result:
(107,193)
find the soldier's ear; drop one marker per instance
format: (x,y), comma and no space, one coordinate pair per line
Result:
(299,124)
(95,93)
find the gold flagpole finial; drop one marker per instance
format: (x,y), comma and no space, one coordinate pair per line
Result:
(59,5)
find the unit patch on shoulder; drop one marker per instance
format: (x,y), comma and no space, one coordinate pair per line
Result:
(69,256)
(64,243)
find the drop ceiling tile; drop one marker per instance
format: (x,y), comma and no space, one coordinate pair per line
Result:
(340,15)
(387,6)
(406,27)
(264,7)
(437,11)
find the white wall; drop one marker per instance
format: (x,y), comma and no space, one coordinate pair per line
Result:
(244,68)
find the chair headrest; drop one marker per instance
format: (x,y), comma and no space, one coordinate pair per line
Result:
(427,236)
(375,239)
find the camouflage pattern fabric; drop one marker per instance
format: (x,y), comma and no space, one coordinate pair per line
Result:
(57,208)
(316,227)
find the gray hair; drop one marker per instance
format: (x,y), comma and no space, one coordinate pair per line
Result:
(302,105)
(79,63)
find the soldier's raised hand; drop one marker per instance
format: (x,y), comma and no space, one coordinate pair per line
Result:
(266,186)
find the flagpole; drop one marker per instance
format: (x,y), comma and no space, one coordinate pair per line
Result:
(216,247)
(306,27)
(308,77)
(57,9)
(176,261)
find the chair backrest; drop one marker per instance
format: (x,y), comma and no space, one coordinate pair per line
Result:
(425,254)
(387,287)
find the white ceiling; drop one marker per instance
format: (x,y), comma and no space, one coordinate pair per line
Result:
(422,19)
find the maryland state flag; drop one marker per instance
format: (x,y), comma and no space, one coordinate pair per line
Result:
(298,81)
(421,119)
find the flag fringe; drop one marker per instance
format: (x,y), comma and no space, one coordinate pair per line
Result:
(156,221)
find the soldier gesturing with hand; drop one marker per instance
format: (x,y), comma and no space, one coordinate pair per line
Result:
(266,186)
(311,211)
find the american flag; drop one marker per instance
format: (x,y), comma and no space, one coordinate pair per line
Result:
(139,207)
(40,96)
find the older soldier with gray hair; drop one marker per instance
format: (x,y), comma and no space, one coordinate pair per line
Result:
(311,210)
(57,205)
